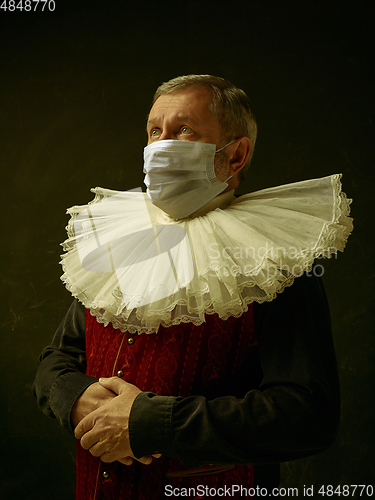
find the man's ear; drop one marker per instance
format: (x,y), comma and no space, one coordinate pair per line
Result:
(238,154)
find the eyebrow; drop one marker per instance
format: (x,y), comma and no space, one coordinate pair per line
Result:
(181,118)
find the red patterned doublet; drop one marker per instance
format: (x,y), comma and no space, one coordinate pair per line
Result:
(183,360)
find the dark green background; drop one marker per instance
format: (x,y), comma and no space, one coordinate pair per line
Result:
(75,89)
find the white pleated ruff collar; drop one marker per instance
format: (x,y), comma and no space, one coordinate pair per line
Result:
(136,267)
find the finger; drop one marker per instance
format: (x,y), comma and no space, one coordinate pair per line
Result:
(111,457)
(97,450)
(126,460)
(156,455)
(114,384)
(89,440)
(145,460)
(85,425)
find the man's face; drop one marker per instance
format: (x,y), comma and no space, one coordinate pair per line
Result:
(184,115)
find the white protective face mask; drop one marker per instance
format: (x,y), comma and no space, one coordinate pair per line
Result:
(180,175)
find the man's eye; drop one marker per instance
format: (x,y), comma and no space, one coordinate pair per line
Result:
(154,133)
(186,131)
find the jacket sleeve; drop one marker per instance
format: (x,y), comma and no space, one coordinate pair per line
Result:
(61,377)
(294,413)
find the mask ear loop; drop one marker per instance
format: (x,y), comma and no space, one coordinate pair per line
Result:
(229,143)
(218,151)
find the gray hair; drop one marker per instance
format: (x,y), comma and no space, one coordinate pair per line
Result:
(229,104)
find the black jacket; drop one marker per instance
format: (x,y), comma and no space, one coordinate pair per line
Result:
(292,414)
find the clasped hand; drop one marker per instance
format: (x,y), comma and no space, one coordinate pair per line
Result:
(105,430)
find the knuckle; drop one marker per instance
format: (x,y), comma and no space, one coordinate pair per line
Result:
(84,444)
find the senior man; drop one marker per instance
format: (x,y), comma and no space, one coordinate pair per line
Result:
(233,371)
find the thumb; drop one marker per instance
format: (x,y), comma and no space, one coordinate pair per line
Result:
(114,384)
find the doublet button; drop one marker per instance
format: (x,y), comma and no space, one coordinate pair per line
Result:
(106,474)
(131,341)
(120,373)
